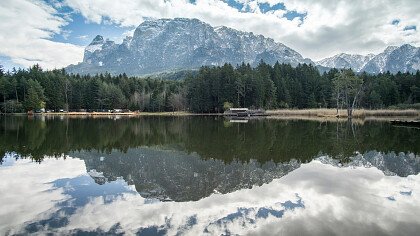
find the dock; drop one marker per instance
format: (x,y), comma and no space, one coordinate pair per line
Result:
(244,112)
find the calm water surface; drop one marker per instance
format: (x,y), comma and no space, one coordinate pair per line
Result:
(206,175)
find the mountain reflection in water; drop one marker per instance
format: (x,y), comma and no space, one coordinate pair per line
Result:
(193,176)
(58,196)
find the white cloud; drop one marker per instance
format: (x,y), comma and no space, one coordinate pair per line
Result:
(27,191)
(26,29)
(334,199)
(329,27)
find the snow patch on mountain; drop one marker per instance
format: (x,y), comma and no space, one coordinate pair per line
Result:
(343,60)
(174,44)
(405,58)
(93,48)
(180,44)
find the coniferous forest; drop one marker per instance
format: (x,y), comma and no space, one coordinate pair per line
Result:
(205,91)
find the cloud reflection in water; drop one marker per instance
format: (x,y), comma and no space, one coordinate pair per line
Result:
(59,196)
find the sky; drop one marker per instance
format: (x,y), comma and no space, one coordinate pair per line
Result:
(53,33)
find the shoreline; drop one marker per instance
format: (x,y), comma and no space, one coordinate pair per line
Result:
(332,113)
(125,114)
(292,113)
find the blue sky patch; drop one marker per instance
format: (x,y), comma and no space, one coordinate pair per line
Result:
(410,27)
(265,7)
(235,4)
(83,188)
(395,22)
(8,64)
(82,33)
(391,198)
(290,15)
(407,193)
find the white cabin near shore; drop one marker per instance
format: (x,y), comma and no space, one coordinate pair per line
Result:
(237,110)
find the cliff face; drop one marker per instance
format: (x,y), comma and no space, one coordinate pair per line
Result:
(175,44)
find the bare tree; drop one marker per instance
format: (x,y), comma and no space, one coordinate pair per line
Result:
(177,102)
(347,88)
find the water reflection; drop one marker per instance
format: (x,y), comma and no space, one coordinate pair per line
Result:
(328,198)
(194,176)
(209,137)
(170,175)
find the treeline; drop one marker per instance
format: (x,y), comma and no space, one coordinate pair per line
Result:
(284,86)
(33,89)
(208,90)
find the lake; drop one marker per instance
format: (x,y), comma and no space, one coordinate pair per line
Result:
(207,176)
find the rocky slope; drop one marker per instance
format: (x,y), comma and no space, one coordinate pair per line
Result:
(405,58)
(343,60)
(168,45)
(175,44)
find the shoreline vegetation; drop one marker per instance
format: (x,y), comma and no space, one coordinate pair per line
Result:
(280,89)
(342,113)
(286,113)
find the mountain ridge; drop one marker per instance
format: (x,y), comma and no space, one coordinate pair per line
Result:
(180,43)
(159,46)
(405,58)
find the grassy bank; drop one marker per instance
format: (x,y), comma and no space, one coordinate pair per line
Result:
(358,113)
(127,114)
(97,114)
(313,113)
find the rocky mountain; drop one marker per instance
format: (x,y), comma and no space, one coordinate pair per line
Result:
(393,59)
(343,60)
(171,45)
(175,44)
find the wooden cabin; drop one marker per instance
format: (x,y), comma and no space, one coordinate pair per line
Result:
(244,112)
(237,112)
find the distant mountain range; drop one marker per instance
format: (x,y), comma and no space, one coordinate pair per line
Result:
(167,45)
(393,59)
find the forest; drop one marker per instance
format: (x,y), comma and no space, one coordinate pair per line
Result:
(207,90)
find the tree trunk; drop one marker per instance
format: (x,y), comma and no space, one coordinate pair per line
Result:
(4,103)
(338,101)
(354,100)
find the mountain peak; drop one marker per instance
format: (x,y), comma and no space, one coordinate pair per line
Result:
(97,40)
(345,60)
(164,21)
(390,48)
(404,58)
(181,43)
